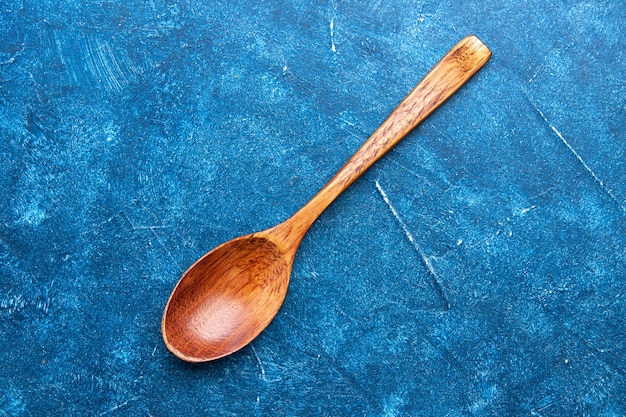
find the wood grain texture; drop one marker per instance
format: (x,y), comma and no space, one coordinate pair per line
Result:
(443,80)
(231,294)
(209,317)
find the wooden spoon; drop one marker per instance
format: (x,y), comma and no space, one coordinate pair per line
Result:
(231,294)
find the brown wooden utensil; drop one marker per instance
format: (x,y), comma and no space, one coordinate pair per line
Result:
(231,294)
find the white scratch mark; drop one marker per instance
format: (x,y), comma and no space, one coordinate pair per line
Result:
(332,36)
(104,65)
(150,227)
(395,213)
(16,303)
(258,359)
(117,407)
(580,159)
(409,236)
(169,253)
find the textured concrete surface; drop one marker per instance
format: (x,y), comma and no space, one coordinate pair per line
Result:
(478,269)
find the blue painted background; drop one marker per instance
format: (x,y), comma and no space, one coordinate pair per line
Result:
(478,269)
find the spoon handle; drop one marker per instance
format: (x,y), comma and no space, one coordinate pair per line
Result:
(443,80)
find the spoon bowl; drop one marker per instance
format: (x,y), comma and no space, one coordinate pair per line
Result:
(226,298)
(231,294)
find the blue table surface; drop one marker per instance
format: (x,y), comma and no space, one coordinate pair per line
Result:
(477,269)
